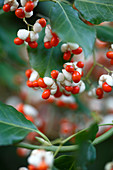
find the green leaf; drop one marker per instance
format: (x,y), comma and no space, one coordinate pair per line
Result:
(88,134)
(13,125)
(105,33)
(95,11)
(45,60)
(66,23)
(64,162)
(44,8)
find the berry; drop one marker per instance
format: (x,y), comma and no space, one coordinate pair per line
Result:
(75,90)
(69,68)
(31,167)
(99,92)
(106,87)
(20,108)
(54,74)
(76,76)
(54,41)
(111,61)
(43,166)
(28,73)
(58,93)
(29,6)
(33,44)
(73,106)
(68,88)
(29,83)
(60,103)
(109,54)
(6,7)
(64,93)
(46,94)
(18,41)
(42,22)
(47,45)
(77,51)
(29,118)
(80,64)
(41,83)
(20,13)
(35,83)
(67,55)
(28,39)
(82,74)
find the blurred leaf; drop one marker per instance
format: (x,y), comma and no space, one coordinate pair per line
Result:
(9,24)
(70,28)
(45,60)
(13,125)
(82,108)
(88,134)
(7,76)
(86,154)
(105,33)
(9,47)
(54,168)
(1,2)
(95,11)
(64,162)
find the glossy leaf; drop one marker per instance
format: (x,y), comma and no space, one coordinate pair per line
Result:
(70,28)
(44,8)
(64,162)
(95,11)
(45,60)
(105,33)
(13,125)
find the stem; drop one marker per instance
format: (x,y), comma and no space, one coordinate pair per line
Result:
(100,65)
(110,124)
(45,137)
(103,137)
(56,141)
(70,148)
(48,148)
(56,152)
(64,141)
(27,23)
(91,69)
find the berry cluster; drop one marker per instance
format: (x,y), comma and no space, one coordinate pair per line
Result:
(39,160)
(64,101)
(70,48)
(26,11)
(51,39)
(105,85)
(10,5)
(67,82)
(30,37)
